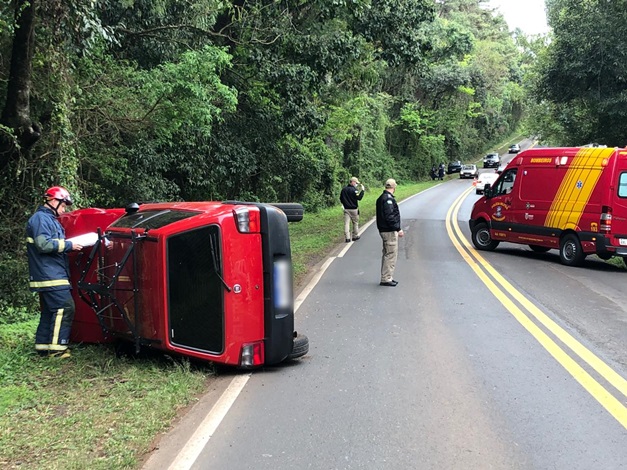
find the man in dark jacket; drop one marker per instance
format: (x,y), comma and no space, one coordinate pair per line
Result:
(49,273)
(349,198)
(389,226)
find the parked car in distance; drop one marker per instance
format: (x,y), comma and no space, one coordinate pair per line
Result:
(491,160)
(469,171)
(484,178)
(514,148)
(454,167)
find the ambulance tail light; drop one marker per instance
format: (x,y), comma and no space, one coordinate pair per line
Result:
(606,220)
(247,221)
(252,355)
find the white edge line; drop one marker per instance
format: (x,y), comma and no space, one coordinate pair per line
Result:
(195,445)
(192,449)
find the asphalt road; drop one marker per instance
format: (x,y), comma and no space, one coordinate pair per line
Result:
(507,360)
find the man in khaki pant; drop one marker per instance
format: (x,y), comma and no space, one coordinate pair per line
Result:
(389,225)
(349,198)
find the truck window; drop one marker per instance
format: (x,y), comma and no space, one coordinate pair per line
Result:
(622,185)
(150,219)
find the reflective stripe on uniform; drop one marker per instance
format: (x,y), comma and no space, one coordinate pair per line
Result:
(51,283)
(60,243)
(58,318)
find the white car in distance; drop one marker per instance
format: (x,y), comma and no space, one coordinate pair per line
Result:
(487,177)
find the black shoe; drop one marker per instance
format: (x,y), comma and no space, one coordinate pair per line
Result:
(389,283)
(348,240)
(356,238)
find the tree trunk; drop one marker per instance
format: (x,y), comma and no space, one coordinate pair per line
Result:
(16,112)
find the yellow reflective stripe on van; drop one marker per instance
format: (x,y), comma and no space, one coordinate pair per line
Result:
(52,283)
(571,197)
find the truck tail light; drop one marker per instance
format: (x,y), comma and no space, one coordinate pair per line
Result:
(252,354)
(606,220)
(247,221)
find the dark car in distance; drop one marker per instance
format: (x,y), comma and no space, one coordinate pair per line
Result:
(454,167)
(491,160)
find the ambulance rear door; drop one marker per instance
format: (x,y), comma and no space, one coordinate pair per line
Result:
(618,197)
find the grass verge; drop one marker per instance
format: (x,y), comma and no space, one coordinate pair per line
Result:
(98,410)
(95,410)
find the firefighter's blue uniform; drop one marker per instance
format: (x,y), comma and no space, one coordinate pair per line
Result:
(49,276)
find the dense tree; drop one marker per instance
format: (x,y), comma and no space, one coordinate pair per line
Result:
(134,100)
(582,76)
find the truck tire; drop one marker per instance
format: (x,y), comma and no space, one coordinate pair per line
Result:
(293,211)
(481,237)
(571,253)
(301,347)
(539,249)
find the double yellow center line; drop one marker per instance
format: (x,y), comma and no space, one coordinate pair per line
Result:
(532,318)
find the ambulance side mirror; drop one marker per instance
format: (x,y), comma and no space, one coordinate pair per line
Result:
(487,191)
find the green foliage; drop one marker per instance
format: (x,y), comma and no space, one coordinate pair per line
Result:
(582,73)
(144,100)
(16,300)
(109,408)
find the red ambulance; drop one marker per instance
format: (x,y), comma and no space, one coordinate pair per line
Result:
(209,280)
(570,199)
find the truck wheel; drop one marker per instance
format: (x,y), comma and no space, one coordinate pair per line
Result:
(481,237)
(571,253)
(301,347)
(539,249)
(293,211)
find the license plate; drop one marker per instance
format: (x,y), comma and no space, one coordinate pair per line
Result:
(622,241)
(283,295)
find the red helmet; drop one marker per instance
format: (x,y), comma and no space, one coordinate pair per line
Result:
(59,193)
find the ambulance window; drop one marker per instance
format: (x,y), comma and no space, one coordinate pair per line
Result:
(622,185)
(507,182)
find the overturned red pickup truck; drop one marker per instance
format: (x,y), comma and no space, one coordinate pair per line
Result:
(209,280)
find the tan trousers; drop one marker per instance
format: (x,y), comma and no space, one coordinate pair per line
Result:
(390,253)
(351,215)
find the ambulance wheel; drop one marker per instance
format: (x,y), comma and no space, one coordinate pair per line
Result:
(300,348)
(539,249)
(481,237)
(571,253)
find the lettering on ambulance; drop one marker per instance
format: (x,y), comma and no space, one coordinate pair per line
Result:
(575,189)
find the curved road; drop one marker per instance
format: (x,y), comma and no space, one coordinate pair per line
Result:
(504,360)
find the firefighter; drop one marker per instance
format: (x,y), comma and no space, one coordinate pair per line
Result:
(349,198)
(389,225)
(49,275)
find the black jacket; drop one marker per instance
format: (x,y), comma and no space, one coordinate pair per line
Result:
(349,197)
(388,215)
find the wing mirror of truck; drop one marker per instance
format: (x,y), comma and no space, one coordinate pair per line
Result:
(487,191)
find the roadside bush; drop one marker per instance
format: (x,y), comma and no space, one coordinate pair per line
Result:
(16,298)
